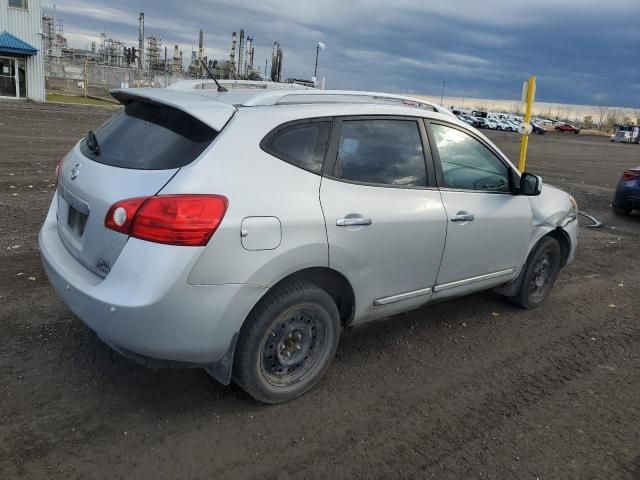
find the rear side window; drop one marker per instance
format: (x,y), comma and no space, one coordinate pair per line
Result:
(385,152)
(148,136)
(300,144)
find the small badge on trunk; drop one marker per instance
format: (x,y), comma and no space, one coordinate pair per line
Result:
(103,265)
(75,171)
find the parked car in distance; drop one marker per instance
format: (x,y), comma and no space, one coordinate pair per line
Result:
(264,222)
(470,120)
(627,195)
(509,125)
(537,129)
(485,123)
(501,124)
(626,134)
(566,127)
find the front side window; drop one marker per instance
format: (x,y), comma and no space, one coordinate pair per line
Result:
(385,152)
(18,3)
(467,164)
(302,145)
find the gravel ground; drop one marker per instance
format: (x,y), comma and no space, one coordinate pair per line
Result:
(471,388)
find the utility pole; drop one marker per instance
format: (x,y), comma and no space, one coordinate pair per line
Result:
(315,69)
(319,46)
(528,96)
(442,96)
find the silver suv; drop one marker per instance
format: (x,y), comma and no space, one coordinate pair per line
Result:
(242,230)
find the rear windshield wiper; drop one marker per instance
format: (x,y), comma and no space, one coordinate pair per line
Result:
(92,142)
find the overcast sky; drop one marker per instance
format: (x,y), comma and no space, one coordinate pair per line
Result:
(582,51)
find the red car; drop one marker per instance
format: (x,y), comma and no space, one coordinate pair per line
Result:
(565,127)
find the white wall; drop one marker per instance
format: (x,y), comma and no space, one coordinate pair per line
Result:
(26,25)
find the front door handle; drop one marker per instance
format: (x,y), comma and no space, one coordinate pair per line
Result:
(353,221)
(462,217)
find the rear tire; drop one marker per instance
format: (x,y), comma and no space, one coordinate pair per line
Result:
(287,342)
(540,274)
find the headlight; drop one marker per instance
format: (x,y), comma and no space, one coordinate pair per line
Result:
(574,204)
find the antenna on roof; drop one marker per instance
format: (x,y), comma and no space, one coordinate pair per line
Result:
(220,87)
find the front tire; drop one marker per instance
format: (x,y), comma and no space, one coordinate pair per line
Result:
(540,274)
(287,342)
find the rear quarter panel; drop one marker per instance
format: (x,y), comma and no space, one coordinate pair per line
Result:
(256,185)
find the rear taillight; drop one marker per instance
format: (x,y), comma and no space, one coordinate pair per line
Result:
(630,175)
(188,220)
(59,167)
(120,215)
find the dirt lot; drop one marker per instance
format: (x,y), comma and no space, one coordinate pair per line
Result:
(472,388)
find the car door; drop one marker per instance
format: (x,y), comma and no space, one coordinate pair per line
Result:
(384,216)
(489,226)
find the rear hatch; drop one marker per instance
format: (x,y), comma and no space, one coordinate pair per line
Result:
(134,154)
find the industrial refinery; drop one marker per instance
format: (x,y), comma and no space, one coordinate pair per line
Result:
(150,61)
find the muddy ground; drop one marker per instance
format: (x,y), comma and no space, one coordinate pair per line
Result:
(472,388)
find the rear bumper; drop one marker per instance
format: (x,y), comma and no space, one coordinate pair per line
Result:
(145,305)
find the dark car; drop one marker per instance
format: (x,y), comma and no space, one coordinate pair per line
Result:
(537,129)
(567,127)
(627,196)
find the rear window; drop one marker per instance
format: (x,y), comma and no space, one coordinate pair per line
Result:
(148,136)
(300,144)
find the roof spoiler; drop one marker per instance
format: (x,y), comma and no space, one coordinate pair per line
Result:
(208,110)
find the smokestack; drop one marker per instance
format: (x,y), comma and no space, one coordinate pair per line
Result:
(141,40)
(276,62)
(247,58)
(232,57)
(247,48)
(240,52)
(279,64)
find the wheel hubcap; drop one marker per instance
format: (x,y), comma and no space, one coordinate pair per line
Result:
(292,346)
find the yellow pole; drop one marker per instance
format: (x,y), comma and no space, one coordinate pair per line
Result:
(531,88)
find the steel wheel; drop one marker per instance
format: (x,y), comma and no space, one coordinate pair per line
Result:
(541,280)
(293,345)
(287,342)
(539,273)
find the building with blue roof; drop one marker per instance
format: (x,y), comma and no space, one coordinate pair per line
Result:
(21,56)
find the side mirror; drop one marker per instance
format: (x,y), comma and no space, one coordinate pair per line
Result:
(530,185)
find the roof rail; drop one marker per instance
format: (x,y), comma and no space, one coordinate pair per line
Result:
(275,93)
(342,96)
(208,84)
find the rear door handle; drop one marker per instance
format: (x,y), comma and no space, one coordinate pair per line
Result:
(351,222)
(462,217)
